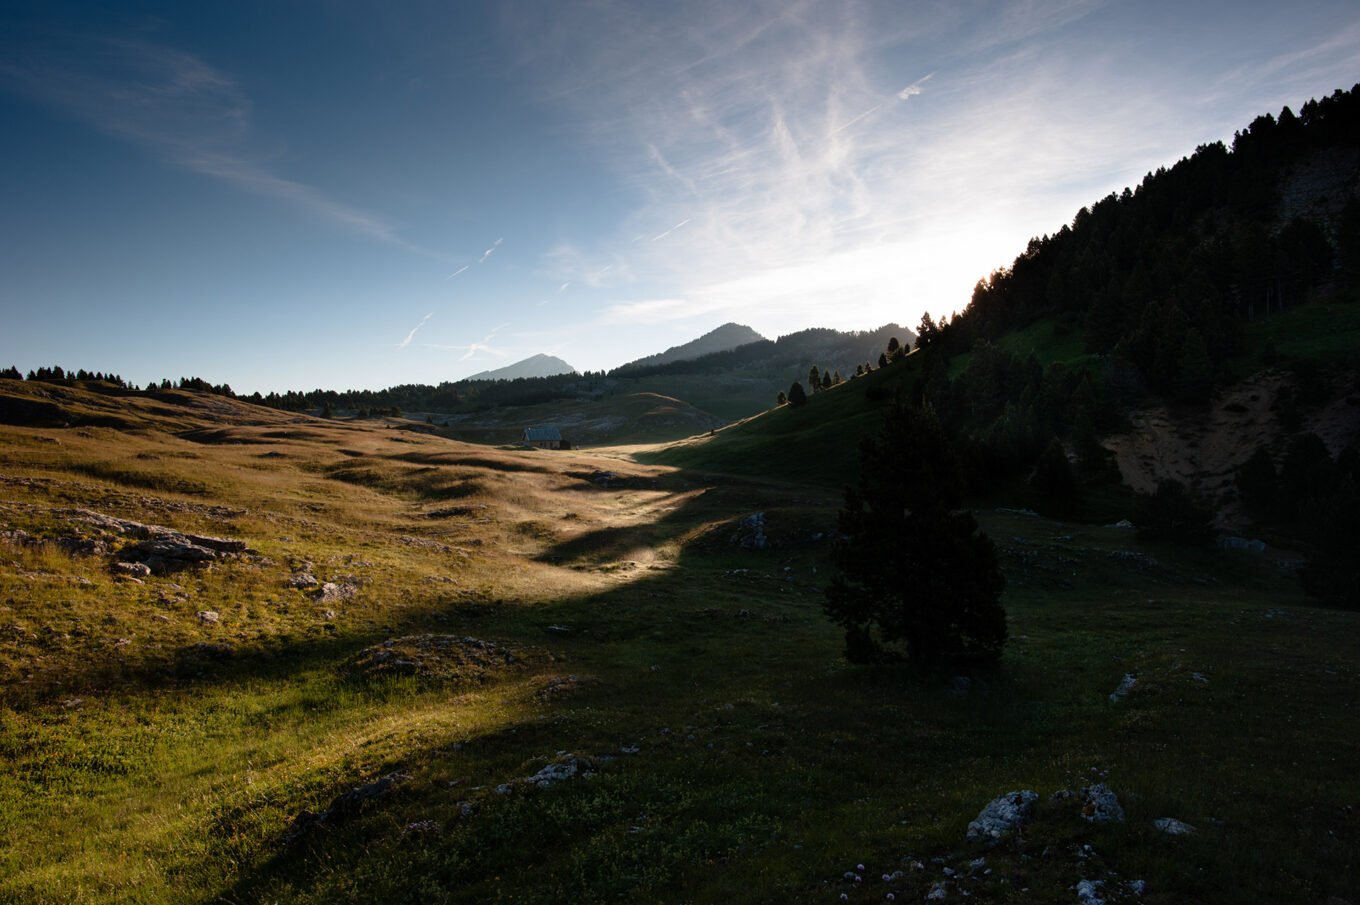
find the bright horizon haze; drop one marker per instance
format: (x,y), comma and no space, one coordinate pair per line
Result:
(299,195)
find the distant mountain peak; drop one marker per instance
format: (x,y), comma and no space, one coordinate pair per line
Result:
(539,365)
(720,339)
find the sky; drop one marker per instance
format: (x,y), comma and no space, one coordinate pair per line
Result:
(297,194)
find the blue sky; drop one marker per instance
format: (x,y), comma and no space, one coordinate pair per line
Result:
(290,195)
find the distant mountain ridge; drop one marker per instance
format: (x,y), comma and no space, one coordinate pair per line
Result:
(793,353)
(740,382)
(728,336)
(534,366)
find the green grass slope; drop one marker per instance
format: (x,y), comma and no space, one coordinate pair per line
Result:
(725,752)
(817,443)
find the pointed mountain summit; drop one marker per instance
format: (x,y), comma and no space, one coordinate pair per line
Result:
(728,336)
(534,366)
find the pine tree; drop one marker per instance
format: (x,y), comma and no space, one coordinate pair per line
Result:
(914,576)
(1053,479)
(927,332)
(815,378)
(797,395)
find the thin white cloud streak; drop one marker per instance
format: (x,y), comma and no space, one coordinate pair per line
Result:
(914,89)
(412,335)
(661,236)
(458,271)
(177,107)
(490,251)
(1020,120)
(874,109)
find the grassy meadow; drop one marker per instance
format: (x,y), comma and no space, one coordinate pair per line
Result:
(723,750)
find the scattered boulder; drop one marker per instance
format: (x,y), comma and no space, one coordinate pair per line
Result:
(75,545)
(134,569)
(302,581)
(18,538)
(333,591)
(1002,815)
(424,543)
(163,555)
(345,805)
(1088,892)
(1125,686)
(552,774)
(1100,805)
(558,685)
(161,549)
(1242,544)
(750,533)
(1173,827)
(423,828)
(440,658)
(209,617)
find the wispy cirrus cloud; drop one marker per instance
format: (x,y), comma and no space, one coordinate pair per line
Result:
(174,105)
(412,335)
(823,178)
(782,144)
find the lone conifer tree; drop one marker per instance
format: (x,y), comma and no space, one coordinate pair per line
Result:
(797,395)
(916,578)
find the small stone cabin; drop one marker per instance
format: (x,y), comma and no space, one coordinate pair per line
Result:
(543,437)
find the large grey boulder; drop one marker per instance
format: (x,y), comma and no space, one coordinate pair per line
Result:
(1100,805)
(1003,815)
(1173,827)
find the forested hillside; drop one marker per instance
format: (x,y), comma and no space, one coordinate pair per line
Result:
(1168,273)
